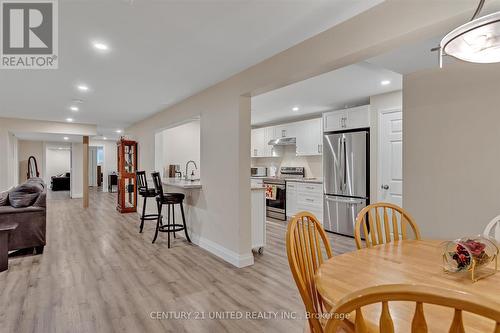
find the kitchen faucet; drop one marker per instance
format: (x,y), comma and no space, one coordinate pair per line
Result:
(192,173)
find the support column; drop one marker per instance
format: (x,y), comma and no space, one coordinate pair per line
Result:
(85,172)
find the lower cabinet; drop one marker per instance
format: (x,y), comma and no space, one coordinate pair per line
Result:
(303,196)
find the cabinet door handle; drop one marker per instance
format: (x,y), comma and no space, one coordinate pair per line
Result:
(310,200)
(283,133)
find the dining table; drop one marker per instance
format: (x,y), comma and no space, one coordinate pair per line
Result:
(404,262)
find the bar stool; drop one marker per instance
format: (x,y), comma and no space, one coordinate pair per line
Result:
(145,192)
(169,199)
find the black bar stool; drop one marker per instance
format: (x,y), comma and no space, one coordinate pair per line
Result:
(169,199)
(145,192)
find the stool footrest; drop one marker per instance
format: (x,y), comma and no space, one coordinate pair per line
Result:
(171,227)
(149,217)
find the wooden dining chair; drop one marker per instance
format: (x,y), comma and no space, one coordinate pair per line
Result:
(307,246)
(383,219)
(418,294)
(492,230)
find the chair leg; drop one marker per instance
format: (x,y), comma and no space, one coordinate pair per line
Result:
(184,222)
(158,222)
(168,226)
(143,213)
(173,218)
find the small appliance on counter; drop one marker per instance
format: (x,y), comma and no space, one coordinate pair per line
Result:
(258,172)
(273,171)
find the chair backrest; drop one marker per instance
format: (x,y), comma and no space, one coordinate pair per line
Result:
(306,242)
(418,294)
(142,183)
(378,225)
(492,230)
(157,184)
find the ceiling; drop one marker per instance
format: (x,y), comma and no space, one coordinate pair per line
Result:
(348,86)
(48,137)
(160,53)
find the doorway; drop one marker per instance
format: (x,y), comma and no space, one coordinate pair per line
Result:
(96,167)
(390,176)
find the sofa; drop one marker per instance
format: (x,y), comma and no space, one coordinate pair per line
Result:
(26,206)
(61,182)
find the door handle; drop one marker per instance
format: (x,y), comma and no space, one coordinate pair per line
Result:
(384,187)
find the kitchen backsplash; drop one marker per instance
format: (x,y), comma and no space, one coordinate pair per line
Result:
(313,164)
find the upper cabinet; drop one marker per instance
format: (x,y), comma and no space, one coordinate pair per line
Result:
(260,139)
(286,130)
(358,117)
(309,136)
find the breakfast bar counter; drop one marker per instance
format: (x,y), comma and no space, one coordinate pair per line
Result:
(182,183)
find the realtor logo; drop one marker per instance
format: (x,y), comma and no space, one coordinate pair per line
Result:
(28,34)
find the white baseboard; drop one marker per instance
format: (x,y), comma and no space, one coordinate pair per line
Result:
(230,256)
(77,196)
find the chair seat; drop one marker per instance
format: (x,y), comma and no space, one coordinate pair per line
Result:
(171,198)
(150,192)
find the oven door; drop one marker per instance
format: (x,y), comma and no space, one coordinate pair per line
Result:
(276,208)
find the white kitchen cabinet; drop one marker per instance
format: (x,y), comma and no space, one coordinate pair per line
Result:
(309,134)
(291,198)
(358,117)
(259,142)
(304,196)
(285,131)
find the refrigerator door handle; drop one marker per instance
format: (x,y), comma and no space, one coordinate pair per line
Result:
(344,171)
(341,164)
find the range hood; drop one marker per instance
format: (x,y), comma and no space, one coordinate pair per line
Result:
(282,142)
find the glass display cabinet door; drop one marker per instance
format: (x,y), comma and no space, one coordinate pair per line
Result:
(130,193)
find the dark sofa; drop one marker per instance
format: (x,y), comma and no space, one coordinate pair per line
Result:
(61,182)
(26,206)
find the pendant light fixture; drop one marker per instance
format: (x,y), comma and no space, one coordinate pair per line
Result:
(475,41)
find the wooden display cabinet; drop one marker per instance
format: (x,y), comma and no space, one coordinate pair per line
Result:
(127,166)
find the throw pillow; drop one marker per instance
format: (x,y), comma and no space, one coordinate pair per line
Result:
(4,198)
(24,195)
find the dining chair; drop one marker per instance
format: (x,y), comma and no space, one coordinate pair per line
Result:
(419,294)
(492,230)
(307,246)
(375,227)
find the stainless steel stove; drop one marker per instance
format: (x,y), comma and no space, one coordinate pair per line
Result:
(276,208)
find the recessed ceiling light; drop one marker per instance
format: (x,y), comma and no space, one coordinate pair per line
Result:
(295,108)
(104,138)
(66,138)
(385,82)
(118,131)
(83,87)
(69,120)
(100,46)
(74,108)
(60,148)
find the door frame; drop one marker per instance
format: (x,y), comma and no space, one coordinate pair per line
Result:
(380,113)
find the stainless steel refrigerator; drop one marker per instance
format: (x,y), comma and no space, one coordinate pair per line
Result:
(346,179)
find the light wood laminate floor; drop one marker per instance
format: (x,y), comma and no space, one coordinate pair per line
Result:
(98,274)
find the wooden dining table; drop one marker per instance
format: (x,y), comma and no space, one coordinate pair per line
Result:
(404,262)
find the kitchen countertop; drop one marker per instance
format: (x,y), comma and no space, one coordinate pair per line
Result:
(182,183)
(257,188)
(307,180)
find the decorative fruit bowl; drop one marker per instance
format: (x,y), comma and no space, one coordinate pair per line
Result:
(470,254)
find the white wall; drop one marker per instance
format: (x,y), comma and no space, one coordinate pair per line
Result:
(57,162)
(76,170)
(180,145)
(451,153)
(27,149)
(13,160)
(383,102)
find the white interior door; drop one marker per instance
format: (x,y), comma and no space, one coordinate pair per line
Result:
(391,157)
